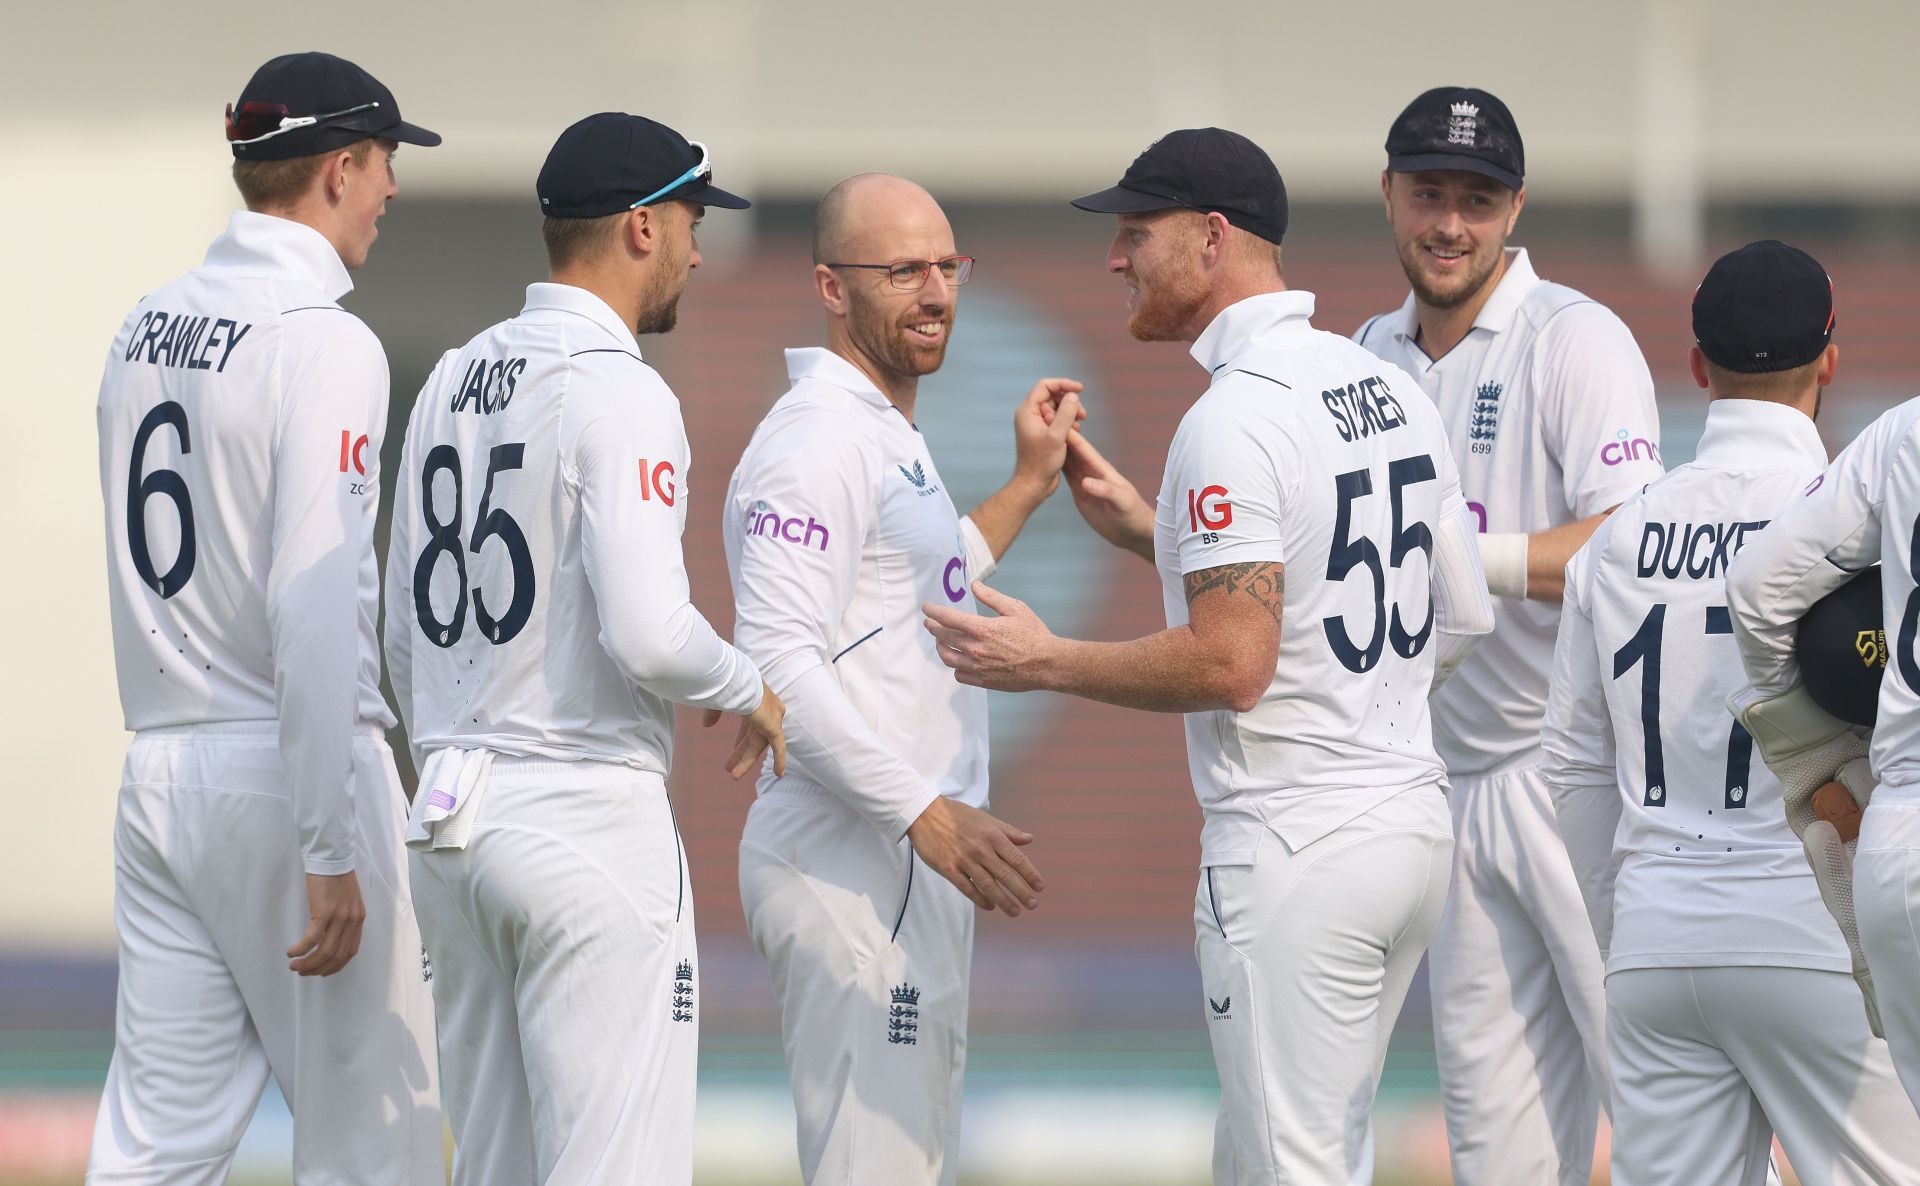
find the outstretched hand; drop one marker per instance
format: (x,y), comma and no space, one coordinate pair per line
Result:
(1008,653)
(1106,500)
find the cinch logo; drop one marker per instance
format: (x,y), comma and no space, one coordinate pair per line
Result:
(1479,512)
(1817,483)
(651,484)
(956,568)
(353,451)
(1872,647)
(1212,516)
(763,521)
(1622,449)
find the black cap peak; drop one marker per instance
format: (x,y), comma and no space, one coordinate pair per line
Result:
(1207,169)
(1458,128)
(611,161)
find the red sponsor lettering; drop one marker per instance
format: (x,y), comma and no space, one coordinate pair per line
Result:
(652,485)
(353,451)
(1211,515)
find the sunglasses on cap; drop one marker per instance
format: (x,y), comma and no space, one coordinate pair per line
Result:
(255,121)
(703,169)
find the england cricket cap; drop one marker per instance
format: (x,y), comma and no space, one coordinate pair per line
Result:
(1841,646)
(613,161)
(1764,307)
(309,103)
(1458,127)
(1206,169)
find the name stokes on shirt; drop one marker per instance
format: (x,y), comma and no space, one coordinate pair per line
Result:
(185,340)
(1695,551)
(1364,408)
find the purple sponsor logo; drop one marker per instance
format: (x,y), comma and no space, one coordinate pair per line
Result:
(1479,512)
(956,567)
(1817,483)
(1624,448)
(441,799)
(762,520)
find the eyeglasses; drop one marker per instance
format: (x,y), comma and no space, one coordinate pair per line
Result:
(256,121)
(911,275)
(703,169)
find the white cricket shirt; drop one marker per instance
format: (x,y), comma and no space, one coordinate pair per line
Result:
(1549,407)
(838,529)
(1308,451)
(537,600)
(1863,510)
(241,415)
(1683,827)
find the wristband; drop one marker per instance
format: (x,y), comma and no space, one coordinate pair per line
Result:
(1504,557)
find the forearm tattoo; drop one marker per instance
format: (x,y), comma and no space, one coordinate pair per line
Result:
(1262,580)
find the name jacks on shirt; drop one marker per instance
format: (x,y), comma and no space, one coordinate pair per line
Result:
(1696,551)
(487,387)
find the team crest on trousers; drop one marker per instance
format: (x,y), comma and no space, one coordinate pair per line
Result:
(683,991)
(903,1018)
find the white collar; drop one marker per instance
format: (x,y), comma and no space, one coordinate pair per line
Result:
(567,298)
(1758,434)
(824,366)
(1497,314)
(1234,329)
(252,239)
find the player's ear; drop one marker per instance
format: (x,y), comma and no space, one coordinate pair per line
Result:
(826,282)
(1829,363)
(1519,202)
(640,229)
(1386,192)
(1697,366)
(333,175)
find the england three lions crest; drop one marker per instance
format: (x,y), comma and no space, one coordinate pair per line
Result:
(903,1016)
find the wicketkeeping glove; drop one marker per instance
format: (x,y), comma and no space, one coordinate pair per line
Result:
(1803,744)
(1832,861)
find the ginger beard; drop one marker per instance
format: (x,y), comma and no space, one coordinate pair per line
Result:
(1163,296)
(892,341)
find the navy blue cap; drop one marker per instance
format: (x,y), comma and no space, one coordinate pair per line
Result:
(1458,128)
(1841,646)
(330,103)
(1207,169)
(608,162)
(1764,307)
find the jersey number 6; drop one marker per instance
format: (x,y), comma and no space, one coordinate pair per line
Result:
(443,537)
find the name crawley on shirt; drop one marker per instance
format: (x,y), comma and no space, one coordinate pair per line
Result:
(185,340)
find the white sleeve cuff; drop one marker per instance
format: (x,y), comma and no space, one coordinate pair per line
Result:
(981,561)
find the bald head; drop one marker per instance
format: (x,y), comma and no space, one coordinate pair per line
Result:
(878,218)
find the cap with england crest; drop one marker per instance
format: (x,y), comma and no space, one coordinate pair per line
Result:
(1210,170)
(308,103)
(613,161)
(1458,128)
(1764,307)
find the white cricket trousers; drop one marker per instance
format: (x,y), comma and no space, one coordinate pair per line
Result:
(1886,902)
(1305,958)
(1519,1007)
(870,952)
(1709,1063)
(564,976)
(209,892)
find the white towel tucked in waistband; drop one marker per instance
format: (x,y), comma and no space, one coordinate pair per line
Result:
(452,783)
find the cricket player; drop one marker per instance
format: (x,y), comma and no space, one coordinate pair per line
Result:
(1313,478)
(1863,510)
(838,528)
(1549,407)
(539,633)
(1730,1014)
(240,421)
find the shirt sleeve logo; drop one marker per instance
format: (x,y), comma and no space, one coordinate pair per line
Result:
(763,520)
(1211,515)
(1625,447)
(353,458)
(656,482)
